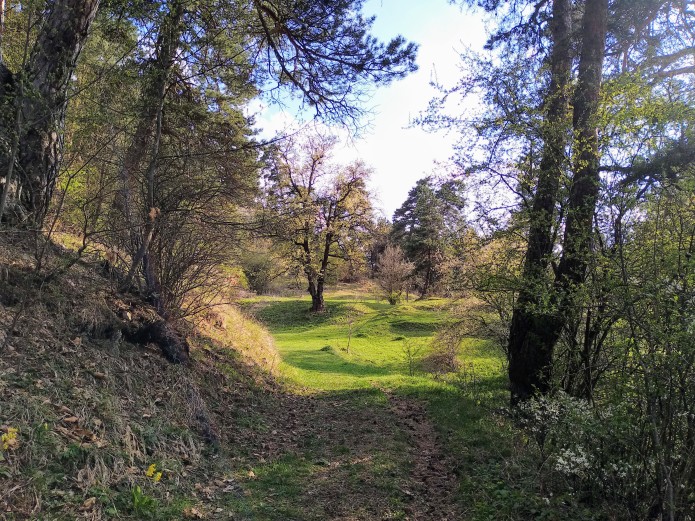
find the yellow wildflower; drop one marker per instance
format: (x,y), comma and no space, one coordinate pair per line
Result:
(157,477)
(150,470)
(9,439)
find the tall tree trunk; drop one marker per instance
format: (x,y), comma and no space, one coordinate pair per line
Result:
(49,71)
(10,185)
(576,244)
(317,281)
(149,134)
(2,26)
(571,272)
(585,184)
(530,353)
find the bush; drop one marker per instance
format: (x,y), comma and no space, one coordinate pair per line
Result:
(445,349)
(260,270)
(596,454)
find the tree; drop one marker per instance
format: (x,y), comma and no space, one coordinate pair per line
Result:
(185,159)
(553,167)
(324,52)
(604,302)
(422,227)
(319,210)
(379,240)
(212,52)
(531,342)
(37,95)
(654,265)
(393,271)
(261,264)
(529,355)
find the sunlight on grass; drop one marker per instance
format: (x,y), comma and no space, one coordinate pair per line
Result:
(360,342)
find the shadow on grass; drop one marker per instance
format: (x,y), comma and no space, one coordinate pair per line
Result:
(326,362)
(346,459)
(413,327)
(291,315)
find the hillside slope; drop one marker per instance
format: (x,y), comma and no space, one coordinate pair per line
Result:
(95,427)
(85,414)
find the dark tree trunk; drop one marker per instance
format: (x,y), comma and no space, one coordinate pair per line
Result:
(316,287)
(49,72)
(427,279)
(530,352)
(585,186)
(576,251)
(317,280)
(532,372)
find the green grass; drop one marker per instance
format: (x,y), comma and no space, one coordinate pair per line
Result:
(315,358)
(498,468)
(359,343)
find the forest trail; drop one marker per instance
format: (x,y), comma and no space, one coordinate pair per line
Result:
(351,456)
(433,481)
(350,411)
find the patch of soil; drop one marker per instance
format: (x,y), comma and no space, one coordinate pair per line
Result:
(432,483)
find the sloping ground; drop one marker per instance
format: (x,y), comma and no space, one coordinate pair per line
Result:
(97,428)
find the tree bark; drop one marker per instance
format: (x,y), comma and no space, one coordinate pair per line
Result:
(585,185)
(317,280)
(317,301)
(584,192)
(49,72)
(10,185)
(530,352)
(532,374)
(2,27)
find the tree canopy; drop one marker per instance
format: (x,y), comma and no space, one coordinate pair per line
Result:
(425,226)
(319,210)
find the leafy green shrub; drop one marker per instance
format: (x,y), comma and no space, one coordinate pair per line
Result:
(260,270)
(596,454)
(141,504)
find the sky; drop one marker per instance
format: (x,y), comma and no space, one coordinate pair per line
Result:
(398,152)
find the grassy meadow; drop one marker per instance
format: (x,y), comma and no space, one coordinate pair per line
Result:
(361,342)
(356,429)
(358,352)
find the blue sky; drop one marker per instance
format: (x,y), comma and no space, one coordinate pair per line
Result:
(398,154)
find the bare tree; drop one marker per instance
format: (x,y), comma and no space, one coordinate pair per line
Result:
(319,210)
(393,271)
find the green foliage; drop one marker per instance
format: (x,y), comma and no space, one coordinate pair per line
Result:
(141,504)
(424,227)
(324,52)
(316,210)
(261,268)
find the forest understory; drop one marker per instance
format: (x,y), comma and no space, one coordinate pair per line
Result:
(93,412)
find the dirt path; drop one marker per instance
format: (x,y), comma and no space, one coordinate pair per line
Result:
(433,484)
(364,455)
(352,456)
